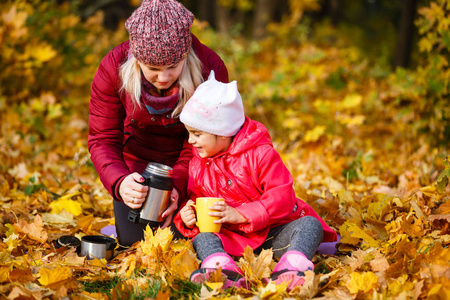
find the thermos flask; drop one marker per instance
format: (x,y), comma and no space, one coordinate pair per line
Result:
(159,179)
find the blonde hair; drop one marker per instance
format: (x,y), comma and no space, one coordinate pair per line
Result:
(190,78)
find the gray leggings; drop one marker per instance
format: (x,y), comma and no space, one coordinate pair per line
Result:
(304,235)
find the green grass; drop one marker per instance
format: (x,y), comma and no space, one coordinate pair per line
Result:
(179,289)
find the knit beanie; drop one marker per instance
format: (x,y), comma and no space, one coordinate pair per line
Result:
(215,108)
(159,32)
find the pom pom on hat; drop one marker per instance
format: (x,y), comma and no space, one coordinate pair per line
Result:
(215,108)
(159,32)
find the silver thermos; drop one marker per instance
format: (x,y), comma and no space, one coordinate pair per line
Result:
(159,179)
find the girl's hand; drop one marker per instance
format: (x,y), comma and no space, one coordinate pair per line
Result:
(226,213)
(132,192)
(187,214)
(168,213)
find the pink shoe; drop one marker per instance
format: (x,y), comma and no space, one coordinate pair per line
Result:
(230,270)
(293,278)
(290,269)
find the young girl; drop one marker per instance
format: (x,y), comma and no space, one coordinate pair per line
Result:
(233,158)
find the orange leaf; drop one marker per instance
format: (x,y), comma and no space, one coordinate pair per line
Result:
(4,274)
(23,275)
(34,230)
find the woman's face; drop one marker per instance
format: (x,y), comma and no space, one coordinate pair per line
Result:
(162,77)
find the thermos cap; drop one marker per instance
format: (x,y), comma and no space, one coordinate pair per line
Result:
(67,241)
(159,169)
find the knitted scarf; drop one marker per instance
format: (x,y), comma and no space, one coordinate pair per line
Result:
(159,104)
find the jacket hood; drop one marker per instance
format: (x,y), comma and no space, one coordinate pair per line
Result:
(252,134)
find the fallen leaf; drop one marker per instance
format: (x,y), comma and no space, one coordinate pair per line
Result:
(33,230)
(365,282)
(256,268)
(51,276)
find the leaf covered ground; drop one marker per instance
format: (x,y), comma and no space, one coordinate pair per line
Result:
(367,146)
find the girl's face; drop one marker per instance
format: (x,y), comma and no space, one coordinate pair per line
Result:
(207,144)
(162,77)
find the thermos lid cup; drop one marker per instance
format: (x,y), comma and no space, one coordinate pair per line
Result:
(159,169)
(67,241)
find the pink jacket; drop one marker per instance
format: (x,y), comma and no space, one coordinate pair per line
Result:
(251,177)
(124,138)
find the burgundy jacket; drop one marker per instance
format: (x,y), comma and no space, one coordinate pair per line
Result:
(123,138)
(252,178)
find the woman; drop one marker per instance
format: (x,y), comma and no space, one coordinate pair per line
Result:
(137,94)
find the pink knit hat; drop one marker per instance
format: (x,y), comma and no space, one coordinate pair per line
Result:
(215,108)
(160,32)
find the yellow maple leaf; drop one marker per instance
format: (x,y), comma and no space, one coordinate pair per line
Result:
(161,238)
(272,291)
(65,203)
(214,285)
(364,282)
(314,134)
(256,268)
(12,238)
(352,234)
(425,45)
(351,120)
(98,263)
(50,276)
(85,223)
(127,265)
(401,284)
(350,101)
(184,263)
(42,52)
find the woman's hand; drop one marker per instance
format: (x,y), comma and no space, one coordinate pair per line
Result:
(168,213)
(132,192)
(187,214)
(226,213)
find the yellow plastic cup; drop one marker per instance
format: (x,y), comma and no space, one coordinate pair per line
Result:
(205,222)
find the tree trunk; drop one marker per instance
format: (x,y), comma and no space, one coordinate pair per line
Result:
(262,17)
(335,11)
(405,34)
(206,11)
(222,18)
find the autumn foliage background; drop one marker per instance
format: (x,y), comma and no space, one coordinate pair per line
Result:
(367,145)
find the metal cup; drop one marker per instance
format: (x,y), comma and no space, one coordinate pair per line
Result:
(97,246)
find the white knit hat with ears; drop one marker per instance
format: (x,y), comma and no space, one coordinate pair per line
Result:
(215,108)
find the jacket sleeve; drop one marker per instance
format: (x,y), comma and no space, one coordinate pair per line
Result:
(180,170)
(278,198)
(106,117)
(187,232)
